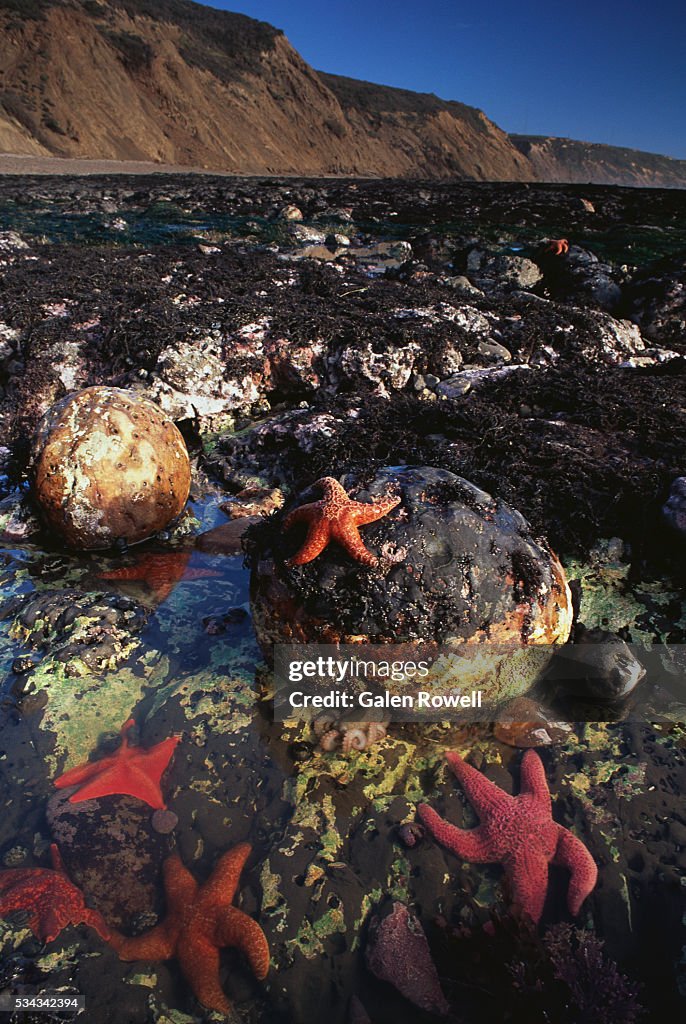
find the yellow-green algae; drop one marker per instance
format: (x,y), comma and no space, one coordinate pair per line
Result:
(609,599)
(146,980)
(11,938)
(369,901)
(79,710)
(311,935)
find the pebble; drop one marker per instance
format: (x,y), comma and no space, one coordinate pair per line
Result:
(164,821)
(494,351)
(523,722)
(599,665)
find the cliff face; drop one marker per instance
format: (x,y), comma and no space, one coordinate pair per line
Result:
(175,82)
(179,83)
(411,134)
(565,160)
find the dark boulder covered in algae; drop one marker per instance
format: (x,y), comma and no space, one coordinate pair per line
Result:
(456,565)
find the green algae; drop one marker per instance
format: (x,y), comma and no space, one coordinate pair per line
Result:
(12,938)
(273,900)
(146,980)
(311,936)
(398,881)
(216,702)
(652,610)
(60,959)
(76,713)
(369,901)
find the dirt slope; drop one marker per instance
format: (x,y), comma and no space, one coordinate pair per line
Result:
(566,160)
(172,81)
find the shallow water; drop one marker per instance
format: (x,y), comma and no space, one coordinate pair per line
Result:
(324,828)
(238,776)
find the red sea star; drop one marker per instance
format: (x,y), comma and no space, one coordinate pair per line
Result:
(336,517)
(160,572)
(200,921)
(130,770)
(558,246)
(51,900)
(519,832)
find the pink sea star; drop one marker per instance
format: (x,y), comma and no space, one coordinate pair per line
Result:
(517,832)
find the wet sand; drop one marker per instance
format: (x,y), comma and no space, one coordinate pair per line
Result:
(28,163)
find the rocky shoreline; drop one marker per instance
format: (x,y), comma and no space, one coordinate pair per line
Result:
(304,329)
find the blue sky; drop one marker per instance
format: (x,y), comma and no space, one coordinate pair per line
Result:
(605,71)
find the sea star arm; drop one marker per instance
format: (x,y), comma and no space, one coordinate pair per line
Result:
(533,781)
(220,888)
(349,538)
(157,944)
(318,535)
(234,928)
(95,919)
(303,514)
(179,885)
(363,514)
(109,784)
(81,773)
(482,793)
(527,873)
(572,854)
(199,961)
(470,844)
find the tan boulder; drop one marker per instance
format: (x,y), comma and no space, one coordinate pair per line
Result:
(108,465)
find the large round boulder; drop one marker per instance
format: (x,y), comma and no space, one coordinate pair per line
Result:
(108,465)
(453,566)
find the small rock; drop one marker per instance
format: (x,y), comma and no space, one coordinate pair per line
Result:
(23,664)
(164,821)
(460,284)
(227,538)
(337,241)
(291,213)
(18,521)
(599,665)
(493,351)
(454,387)
(523,722)
(497,272)
(303,233)
(398,952)
(674,509)
(461,382)
(252,501)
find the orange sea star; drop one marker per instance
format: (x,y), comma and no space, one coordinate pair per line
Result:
(336,517)
(51,900)
(200,921)
(558,246)
(130,770)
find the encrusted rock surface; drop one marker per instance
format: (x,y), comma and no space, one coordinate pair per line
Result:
(456,565)
(108,466)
